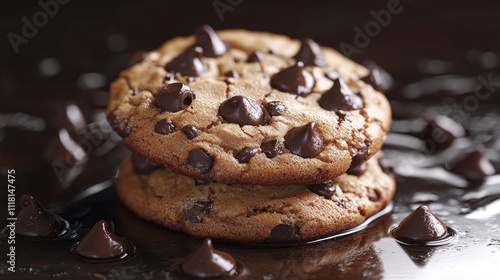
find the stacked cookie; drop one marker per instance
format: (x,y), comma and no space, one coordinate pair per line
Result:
(251,137)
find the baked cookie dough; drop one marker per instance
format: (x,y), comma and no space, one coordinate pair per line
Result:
(249,107)
(254,213)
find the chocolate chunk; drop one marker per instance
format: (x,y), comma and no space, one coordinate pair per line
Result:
(284,233)
(164,127)
(327,190)
(119,125)
(374,196)
(420,225)
(304,141)
(386,165)
(193,214)
(201,160)
(232,74)
(361,155)
(340,97)
(375,79)
(101,242)
(246,154)
(295,80)
(332,75)
(256,56)
(357,170)
(190,131)
(242,110)
(174,97)
(208,262)
(275,108)
(143,166)
(272,148)
(475,166)
(34,220)
(310,53)
(442,130)
(208,40)
(188,63)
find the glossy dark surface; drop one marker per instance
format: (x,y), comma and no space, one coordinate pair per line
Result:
(442,56)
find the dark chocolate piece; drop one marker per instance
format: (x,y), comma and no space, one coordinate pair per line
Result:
(326,190)
(340,97)
(143,166)
(190,131)
(210,42)
(201,160)
(256,56)
(374,196)
(119,125)
(174,97)
(34,220)
(442,130)
(232,74)
(193,214)
(310,53)
(245,155)
(304,141)
(275,108)
(284,233)
(272,148)
(188,63)
(361,155)
(375,79)
(420,225)
(101,242)
(475,166)
(164,127)
(242,110)
(208,262)
(295,80)
(357,170)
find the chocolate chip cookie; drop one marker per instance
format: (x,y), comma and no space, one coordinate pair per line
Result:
(249,107)
(254,213)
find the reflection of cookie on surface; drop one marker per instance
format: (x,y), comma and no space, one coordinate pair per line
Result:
(254,213)
(251,113)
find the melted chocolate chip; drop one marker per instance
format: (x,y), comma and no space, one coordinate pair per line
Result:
(332,75)
(35,220)
(101,242)
(188,63)
(272,148)
(256,56)
(327,190)
(357,170)
(275,108)
(164,127)
(242,110)
(190,131)
(420,225)
(208,40)
(207,262)
(386,165)
(119,125)
(193,214)
(284,233)
(174,97)
(375,79)
(310,53)
(361,155)
(143,166)
(443,130)
(304,141)
(295,80)
(475,166)
(245,155)
(340,97)
(201,160)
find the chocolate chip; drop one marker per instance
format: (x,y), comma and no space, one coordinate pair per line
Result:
(295,80)
(310,53)
(256,56)
(275,108)
(374,196)
(232,74)
(327,190)
(101,242)
(188,63)
(119,125)
(193,214)
(386,165)
(272,148)
(34,220)
(206,262)
(332,75)
(201,160)
(246,154)
(357,170)
(340,97)
(375,79)
(174,97)
(475,166)
(361,155)
(304,141)
(421,225)
(190,131)
(284,233)
(164,127)
(143,166)
(242,110)
(207,39)
(442,130)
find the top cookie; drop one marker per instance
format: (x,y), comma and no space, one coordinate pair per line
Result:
(249,107)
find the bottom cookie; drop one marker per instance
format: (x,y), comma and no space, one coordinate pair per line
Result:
(253,213)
